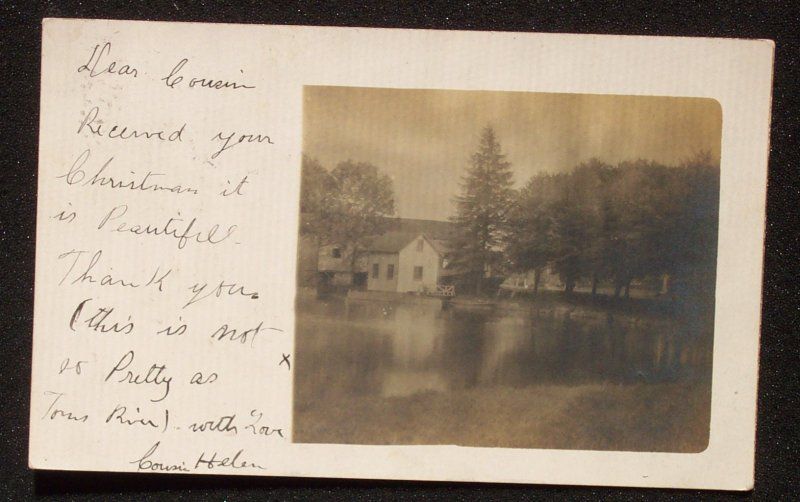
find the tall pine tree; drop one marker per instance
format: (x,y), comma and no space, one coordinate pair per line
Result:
(482,211)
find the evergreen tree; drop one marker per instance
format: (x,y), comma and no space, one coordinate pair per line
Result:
(482,211)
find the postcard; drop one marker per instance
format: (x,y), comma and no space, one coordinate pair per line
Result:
(399,254)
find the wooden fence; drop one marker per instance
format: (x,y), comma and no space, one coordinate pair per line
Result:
(444,290)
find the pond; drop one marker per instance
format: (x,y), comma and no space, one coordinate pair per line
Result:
(378,352)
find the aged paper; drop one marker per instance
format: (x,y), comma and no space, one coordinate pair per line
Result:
(397,254)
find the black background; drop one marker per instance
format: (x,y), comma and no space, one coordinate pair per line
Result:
(20,23)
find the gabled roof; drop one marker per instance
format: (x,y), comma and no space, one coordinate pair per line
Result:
(394,242)
(433,229)
(402,231)
(391,242)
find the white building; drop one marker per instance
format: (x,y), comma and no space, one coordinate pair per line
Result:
(410,256)
(404,262)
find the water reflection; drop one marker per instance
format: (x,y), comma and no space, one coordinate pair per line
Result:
(406,349)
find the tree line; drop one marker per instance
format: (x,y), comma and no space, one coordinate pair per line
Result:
(599,223)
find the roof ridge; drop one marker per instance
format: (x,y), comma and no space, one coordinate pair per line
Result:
(394,241)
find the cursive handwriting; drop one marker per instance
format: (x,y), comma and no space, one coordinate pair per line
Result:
(261,430)
(52,412)
(98,127)
(156,279)
(200,379)
(100,322)
(68,365)
(228,142)
(121,416)
(175,79)
(144,183)
(173,330)
(121,194)
(221,424)
(174,227)
(225,332)
(155,375)
(66,215)
(146,463)
(111,68)
(224,288)
(227,192)
(234,462)
(227,424)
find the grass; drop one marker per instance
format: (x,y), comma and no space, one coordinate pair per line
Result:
(670,417)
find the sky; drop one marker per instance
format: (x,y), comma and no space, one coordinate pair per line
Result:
(423,139)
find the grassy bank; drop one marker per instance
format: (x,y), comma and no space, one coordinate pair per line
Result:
(640,417)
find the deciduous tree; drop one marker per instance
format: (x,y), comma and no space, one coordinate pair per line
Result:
(346,206)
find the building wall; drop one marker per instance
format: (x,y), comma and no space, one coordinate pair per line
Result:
(409,258)
(330,263)
(382,283)
(307,254)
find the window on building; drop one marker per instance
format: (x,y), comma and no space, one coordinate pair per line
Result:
(417,273)
(390,271)
(420,244)
(336,253)
(376,270)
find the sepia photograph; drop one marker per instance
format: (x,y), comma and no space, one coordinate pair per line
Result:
(506,269)
(416,255)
